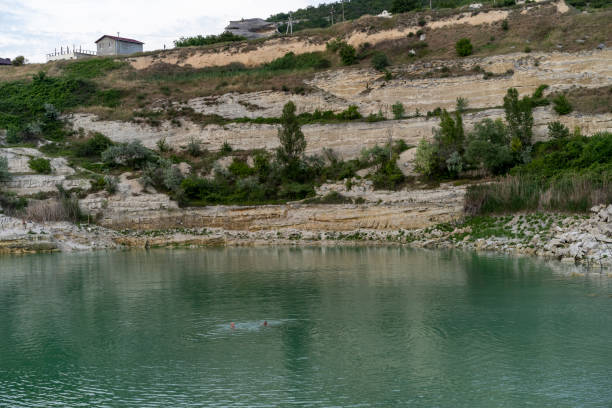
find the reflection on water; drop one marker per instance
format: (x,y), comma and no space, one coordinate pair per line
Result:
(345,327)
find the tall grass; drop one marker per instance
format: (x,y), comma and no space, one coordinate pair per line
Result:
(567,193)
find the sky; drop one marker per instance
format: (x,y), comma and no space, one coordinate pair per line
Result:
(33,28)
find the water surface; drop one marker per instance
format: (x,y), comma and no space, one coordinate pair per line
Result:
(347,327)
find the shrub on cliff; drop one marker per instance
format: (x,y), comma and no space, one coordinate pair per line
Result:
(4,171)
(348,54)
(94,146)
(403,6)
(200,40)
(464,47)
(380,61)
(562,105)
(40,165)
(132,154)
(313,60)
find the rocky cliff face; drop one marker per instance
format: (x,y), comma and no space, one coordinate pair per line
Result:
(336,90)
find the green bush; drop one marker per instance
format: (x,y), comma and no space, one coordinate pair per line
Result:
(348,54)
(194,147)
(461,105)
(92,147)
(574,154)
(403,6)
(289,61)
(398,110)
(351,113)
(207,40)
(23,102)
(504,25)
(380,61)
(40,165)
(18,61)
(464,47)
(239,168)
(132,155)
(111,183)
(557,130)
(488,146)
(10,203)
(4,170)
(562,105)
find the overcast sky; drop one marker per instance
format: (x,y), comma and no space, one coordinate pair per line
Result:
(34,28)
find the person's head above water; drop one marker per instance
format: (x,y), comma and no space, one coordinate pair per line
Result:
(233,325)
(265,323)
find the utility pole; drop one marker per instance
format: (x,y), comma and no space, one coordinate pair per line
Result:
(332,15)
(343,11)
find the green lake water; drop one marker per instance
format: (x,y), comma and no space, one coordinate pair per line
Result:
(347,327)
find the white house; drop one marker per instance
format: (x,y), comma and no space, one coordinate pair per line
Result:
(112,45)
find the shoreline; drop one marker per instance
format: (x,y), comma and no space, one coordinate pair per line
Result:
(570,239)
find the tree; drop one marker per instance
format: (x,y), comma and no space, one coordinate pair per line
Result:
(519,117)
(19,61)
(402,6)
(462,105)
(291,138)
(488,146)
(464,47)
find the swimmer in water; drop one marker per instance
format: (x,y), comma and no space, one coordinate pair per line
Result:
(265,323)
(233,325)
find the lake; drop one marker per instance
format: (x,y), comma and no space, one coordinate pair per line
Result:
(346,327)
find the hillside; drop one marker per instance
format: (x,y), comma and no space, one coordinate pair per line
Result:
(163,139)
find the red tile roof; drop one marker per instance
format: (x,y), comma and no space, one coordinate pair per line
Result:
(120,39)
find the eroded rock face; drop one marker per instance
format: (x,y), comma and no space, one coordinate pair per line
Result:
(347,139)
(26,182)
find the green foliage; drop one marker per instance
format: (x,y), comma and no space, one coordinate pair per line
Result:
(351,113)
(199,40)
(380,61)
(4,171)
(290,61)
(488,146)
(398,110)
(226,148)
(348,54)
(316,17)
(504,25)
(291,138)
(161,174)
(23,102)
(557,130)
(18,61)
(464,47)
(110,98)
(519,118)
(91,67)
(443,157)
(240,168)
(92,147)
(403,6)
(194,147)
(570,154)
(462,105)
(562,105)
(40,165)
(132,155)
(111,183)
